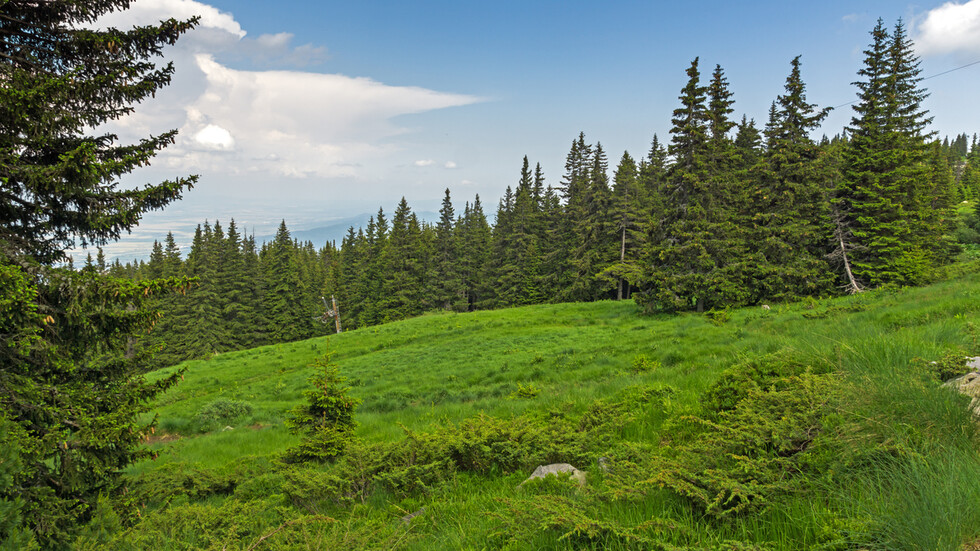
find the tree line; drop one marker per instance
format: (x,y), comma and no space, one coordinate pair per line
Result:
(726,214)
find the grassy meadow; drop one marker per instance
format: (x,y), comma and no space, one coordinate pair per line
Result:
(813,425)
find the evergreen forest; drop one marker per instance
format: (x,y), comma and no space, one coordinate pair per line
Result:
(723,215)
(747,339)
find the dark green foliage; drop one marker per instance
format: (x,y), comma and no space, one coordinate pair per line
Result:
(894,205)
(59,184)
(224,411)
(754,453)
(404,272)
(700,258)
(13,534)
(288,320)
(70,381)
(326,421)
(447,282)
(791,201)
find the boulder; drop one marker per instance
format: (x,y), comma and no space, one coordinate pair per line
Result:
(556,469)
(969,385)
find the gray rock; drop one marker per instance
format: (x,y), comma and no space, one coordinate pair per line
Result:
(973,363)
(969,385)
(556,469)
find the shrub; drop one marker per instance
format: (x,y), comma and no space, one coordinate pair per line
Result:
(751,454)
(718,317)
(950,366)
(224,411)
(751,374)
(525,391)
(642,364)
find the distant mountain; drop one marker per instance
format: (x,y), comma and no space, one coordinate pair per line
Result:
(336,231)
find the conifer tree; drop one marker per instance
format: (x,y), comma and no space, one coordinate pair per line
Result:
(566,233)
(475,242)
(404,269)
(791,200)
(630,222)
(202,328)
(748,143)
(353,257)
(886,186)
(447,288)
(699,261)
(257,328)
(232,285)
(73,398)
(288,319)
(503,271)
(520,279)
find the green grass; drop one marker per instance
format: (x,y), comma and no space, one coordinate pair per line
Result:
(442,369)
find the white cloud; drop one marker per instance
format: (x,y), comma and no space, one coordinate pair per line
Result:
(952,27)
(215,138)
(424,162)
(142,12)
(450,164)
(266,123)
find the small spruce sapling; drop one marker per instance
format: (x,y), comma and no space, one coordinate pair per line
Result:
(326,420)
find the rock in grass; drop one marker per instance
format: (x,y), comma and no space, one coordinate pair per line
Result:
(969,385)
(556,469)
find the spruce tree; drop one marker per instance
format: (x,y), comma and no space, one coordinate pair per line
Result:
(353,254)
(403,269)
(790,203)
(447,287)
(630,222)
(699,262)
(288,316)
(475,242)
(887,187)
(73,398)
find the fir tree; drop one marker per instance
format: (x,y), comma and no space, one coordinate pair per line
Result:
(288,319)
(699,262)
(447,287)
(886,186)
(791,201)
(73,398)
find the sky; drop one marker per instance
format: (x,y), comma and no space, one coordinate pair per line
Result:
(314,111)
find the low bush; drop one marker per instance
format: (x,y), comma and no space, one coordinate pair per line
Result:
(223,411)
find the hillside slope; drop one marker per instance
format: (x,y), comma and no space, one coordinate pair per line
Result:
(457,409)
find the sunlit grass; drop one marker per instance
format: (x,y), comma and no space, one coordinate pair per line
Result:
(438,369)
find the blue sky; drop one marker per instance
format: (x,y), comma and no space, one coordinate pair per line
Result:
(317,110)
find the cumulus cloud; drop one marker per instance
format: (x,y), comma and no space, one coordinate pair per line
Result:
(450,164)
(216,138)
(424,162)
(281,122)
(142,12)
(952,27)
